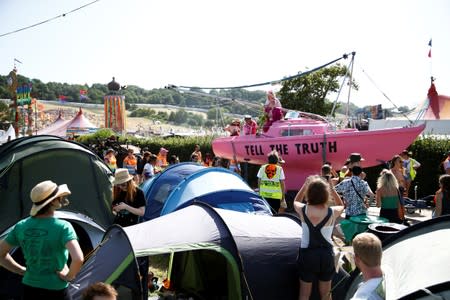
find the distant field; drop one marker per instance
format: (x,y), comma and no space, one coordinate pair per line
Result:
(133,124)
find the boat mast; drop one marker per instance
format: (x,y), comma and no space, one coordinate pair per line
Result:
(350,84)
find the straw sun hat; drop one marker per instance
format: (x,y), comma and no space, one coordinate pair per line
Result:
(121,176)
(44,193)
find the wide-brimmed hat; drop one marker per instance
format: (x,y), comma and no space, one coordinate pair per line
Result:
(247,117)
(236,121)
(44,193)
(121,176)
(354,157)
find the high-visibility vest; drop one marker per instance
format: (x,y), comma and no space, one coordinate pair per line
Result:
(271,188)
(130,164)
(412,171)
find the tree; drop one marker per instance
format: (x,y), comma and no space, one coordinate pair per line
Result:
(4,111)
(309,93)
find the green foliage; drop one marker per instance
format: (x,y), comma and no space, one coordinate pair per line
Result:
(4,111)
(180,146)
(101,134)
(134,94)
(308,93)
(430,153)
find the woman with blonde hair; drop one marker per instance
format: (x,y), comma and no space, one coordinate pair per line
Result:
(388,196)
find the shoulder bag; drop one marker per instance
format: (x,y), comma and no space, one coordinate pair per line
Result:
(400,207)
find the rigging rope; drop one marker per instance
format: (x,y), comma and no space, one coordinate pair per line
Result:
(410,122)
(48,20)
(345,56)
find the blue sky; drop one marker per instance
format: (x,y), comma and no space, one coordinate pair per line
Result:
(235,42)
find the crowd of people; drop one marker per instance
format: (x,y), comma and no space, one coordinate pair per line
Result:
(319,204)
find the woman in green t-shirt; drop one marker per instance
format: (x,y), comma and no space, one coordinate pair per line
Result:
(46,242)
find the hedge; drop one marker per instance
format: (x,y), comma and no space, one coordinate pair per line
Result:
(429,151)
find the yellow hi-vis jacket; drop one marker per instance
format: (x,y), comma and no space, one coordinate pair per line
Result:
(271,188)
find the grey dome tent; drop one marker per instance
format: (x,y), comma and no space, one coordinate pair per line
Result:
(216,254)
(416,262)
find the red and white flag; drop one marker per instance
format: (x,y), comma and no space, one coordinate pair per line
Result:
(429,51)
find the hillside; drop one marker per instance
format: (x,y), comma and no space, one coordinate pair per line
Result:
(95,113)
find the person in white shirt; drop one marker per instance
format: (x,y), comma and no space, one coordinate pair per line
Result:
(368,252)
(149,168)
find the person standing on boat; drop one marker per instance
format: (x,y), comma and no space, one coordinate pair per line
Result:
(234,128)
(273,110)
(410,165)
(354,191)
(250,127)
(271,183)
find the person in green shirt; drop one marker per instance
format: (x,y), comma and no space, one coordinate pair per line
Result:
(388,197)
(46,242)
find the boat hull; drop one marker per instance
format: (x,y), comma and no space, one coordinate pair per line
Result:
(304,155)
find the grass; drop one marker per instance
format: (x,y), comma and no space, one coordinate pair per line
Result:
(159,265)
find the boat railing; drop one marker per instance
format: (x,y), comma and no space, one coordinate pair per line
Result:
(295,114)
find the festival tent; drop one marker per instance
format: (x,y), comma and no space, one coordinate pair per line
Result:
(79,125)
(9,134)
(58,127)
(181,184)
(416,262)
(214,254)
(434,112)
(26,161)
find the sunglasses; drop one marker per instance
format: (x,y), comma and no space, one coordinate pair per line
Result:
(63,201)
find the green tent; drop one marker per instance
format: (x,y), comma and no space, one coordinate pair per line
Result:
(27,161)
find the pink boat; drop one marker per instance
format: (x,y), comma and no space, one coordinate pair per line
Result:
(305,141)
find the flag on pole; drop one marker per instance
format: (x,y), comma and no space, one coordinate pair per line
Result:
(83,94)
(429,51)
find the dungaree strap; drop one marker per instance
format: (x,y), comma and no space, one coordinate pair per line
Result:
(316,239)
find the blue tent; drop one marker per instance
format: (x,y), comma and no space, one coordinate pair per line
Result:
(181,184)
